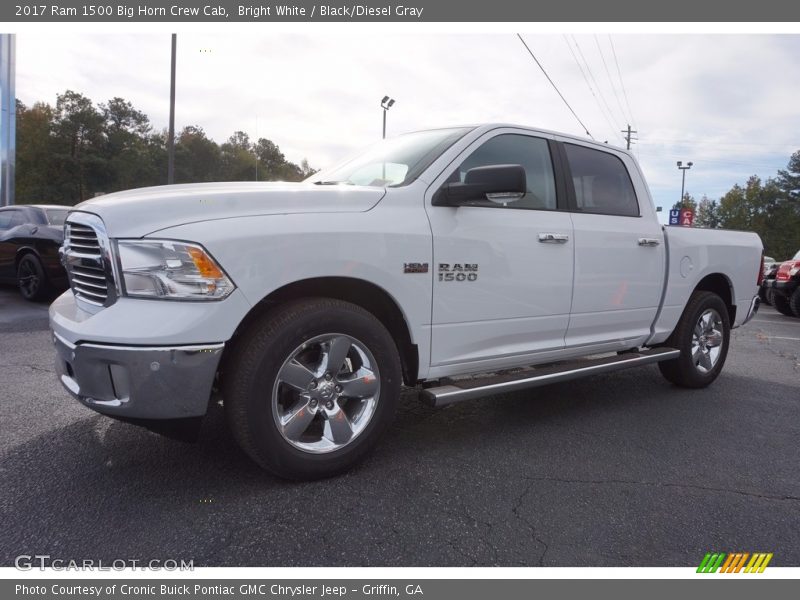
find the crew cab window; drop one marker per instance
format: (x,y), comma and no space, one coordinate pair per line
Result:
(5,219)
(602,184)
(532,153)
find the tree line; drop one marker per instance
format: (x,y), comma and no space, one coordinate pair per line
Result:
(771,208)
(76,150)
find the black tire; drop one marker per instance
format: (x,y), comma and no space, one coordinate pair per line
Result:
(32,281)
(684,371)
(261,354)
(763,294)
(770,296)
(794,302)
(781,304)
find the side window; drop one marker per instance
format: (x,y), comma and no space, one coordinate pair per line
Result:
(17,218)
(5,219)
(602,184)
(512,149)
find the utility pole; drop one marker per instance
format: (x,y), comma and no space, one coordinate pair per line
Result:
(628,137)
(171,135)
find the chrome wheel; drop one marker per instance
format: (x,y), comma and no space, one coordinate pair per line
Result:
(707,340)
(325,393)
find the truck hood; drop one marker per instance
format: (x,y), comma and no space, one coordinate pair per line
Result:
(139,212)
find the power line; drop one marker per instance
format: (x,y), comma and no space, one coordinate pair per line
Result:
(589,85)
(555,87)
(621,82)
(591,75)
(608,74)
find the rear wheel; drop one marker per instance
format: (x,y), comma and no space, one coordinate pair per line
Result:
(31,279)
(311,388)
(702,335)
(781,304)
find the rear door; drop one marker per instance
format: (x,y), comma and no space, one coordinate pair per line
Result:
(619,250)
(502,278)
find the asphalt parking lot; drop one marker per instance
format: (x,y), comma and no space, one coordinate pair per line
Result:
(621,469)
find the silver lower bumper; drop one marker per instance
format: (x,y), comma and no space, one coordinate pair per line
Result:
(139,382)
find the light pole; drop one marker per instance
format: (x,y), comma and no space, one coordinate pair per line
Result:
(386,104)
(683,173)
(171,134)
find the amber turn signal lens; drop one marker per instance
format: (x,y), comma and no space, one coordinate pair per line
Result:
(204,264)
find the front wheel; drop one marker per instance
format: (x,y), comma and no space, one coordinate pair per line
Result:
(702,335)
(31,279)
(310,388)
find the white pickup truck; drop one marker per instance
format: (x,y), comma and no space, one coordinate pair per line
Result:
(526,255)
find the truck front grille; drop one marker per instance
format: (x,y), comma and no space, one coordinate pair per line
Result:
(87,258)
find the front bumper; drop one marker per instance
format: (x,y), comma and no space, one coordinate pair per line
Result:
(134,382)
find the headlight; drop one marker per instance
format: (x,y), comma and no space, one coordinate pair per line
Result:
(171,270)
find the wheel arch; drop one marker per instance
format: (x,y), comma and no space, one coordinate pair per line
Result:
(23,251)
(721,285)
(365,294)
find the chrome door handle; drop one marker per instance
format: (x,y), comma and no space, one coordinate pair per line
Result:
(553,238)
(649,242)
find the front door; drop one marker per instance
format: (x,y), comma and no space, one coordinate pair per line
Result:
(502,280)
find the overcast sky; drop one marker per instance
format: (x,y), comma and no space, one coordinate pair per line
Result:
(729,103)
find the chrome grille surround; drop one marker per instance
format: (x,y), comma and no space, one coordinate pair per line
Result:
(88,258)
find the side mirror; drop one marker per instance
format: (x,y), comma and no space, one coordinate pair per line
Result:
(497,183)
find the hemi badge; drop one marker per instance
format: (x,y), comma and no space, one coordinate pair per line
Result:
(415,267)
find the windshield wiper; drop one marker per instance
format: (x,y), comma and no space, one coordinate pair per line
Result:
(334,183)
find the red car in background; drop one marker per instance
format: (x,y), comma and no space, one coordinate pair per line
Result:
(784,289)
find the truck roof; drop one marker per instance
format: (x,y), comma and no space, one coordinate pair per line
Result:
(484,127)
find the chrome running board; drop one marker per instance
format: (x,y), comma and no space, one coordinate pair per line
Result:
(470,389)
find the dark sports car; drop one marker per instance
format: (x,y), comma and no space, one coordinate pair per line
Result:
(30,236)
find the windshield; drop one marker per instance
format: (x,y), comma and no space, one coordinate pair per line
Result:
(797,256)
(393,162)
(56,216)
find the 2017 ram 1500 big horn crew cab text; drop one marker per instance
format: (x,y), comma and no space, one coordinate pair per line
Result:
(430,256)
